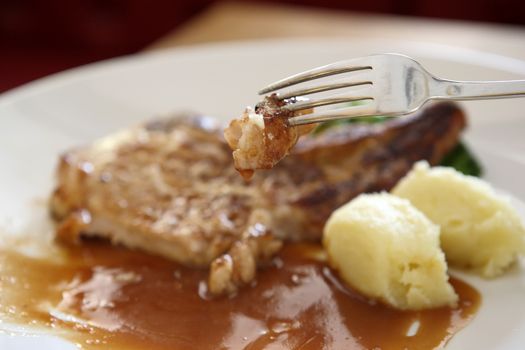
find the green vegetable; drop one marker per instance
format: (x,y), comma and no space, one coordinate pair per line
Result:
(461,159)
(360,120)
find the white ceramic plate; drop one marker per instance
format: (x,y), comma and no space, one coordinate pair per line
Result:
(43,118)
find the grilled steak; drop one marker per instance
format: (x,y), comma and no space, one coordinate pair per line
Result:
(169,187)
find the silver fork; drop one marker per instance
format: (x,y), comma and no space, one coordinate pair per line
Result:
(387,85)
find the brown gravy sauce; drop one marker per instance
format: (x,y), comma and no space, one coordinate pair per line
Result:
(108,297)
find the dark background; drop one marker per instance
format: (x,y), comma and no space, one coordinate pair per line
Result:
(39,37)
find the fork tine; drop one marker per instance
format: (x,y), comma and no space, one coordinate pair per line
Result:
(321,88)
(335,99)
(320,72)
(365,110)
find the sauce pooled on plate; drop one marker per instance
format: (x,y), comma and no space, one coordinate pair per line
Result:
(102,297)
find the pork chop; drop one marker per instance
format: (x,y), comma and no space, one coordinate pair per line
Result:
(169,187)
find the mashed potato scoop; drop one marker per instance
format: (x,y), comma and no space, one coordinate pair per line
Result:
(479,228)
(386,249)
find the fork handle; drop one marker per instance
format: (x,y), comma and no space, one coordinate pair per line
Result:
(476,90)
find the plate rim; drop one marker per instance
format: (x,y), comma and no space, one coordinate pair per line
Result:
(438,51)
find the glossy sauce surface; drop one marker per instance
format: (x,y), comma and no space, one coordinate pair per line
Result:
(107,297)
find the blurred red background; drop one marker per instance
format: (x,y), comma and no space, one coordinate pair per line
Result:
(39,37)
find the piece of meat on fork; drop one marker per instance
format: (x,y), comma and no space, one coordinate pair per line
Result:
(261,137)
